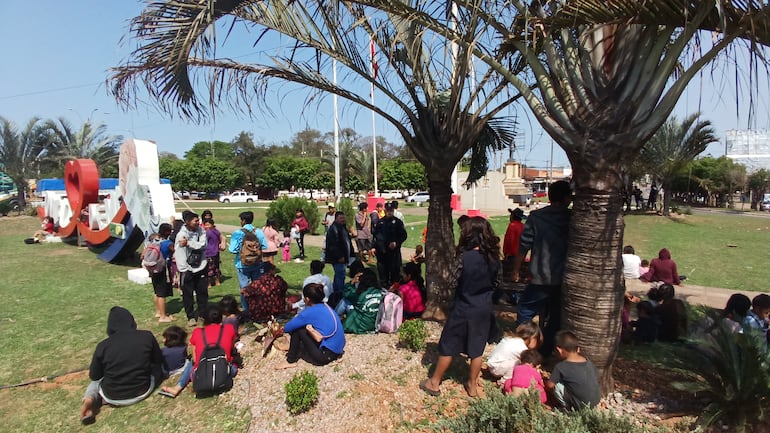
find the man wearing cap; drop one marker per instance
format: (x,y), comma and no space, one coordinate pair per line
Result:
(389,234)
(339,249)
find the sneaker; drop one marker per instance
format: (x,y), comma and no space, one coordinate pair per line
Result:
(192,323)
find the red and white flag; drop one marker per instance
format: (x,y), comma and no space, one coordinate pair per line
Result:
(374,66)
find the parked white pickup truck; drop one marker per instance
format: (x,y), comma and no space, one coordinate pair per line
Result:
(238,197)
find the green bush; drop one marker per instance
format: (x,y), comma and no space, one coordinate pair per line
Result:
(301,392)
(412,335)
(500,413)
(730,370)
(347,207)
(284,208)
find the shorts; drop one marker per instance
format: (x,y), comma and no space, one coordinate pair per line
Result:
(161,286)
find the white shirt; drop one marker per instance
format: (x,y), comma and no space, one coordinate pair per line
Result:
(506,356)
(317,279)
(631,264)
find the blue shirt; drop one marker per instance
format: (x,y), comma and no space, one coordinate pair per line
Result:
(325,321)
(237,239)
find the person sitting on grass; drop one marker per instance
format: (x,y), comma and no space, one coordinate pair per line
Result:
(526,375)
(756,319)
(506,355)
(644,329)
(735,311)
(574,381)
(316,277)
(266,296)
(212,324)
(663,269)
(671,314)
(125,367)
(364,299)
(316,333)
(411,290)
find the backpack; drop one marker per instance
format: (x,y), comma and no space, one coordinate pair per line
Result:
(213,373)
(153,260)
(251,249)
(390,315)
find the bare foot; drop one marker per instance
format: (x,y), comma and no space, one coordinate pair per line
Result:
(170,391)
(285,366)
(317,337)
(166,319)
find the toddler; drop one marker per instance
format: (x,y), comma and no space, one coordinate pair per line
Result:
(506,355)
(411,290)
(574,381)
(526,375)
(419,255)
(286,246)
(644,267)
(175,350)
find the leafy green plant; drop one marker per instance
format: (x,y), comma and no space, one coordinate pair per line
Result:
(412,335)
(284,209)
(301,392)
(730,370)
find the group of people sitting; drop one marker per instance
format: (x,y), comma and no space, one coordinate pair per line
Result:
(661,269)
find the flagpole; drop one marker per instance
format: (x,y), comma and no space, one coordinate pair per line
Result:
(337,186)
(373,71)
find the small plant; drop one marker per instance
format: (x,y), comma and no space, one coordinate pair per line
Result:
(412,335)
(301,392)
(356,376)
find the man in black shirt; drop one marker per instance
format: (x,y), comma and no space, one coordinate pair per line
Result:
(389,234)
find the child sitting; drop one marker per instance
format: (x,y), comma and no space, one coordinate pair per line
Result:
(756,318)
(175,350)
(574,381)
(644,267)
(506,355)
(419,255)
(672,315)
(412,290)
(736,310)
(365,298)
(526,375)
(645,328)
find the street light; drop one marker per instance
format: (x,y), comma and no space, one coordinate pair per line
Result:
(88,120)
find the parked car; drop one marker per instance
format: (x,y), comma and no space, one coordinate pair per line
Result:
(419,197)
(182,195)
(391,194)
(765,205)
(239,197)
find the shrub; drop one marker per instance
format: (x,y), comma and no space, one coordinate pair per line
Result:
(412,335)
(284,208)
(730,370)
(346,206)
(525,414)
(301,392)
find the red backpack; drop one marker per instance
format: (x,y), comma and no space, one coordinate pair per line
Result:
(153,260)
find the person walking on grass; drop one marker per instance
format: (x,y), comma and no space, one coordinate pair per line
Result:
(189,248)
(125,367)
(476,272)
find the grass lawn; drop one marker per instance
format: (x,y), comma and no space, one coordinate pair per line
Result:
(56,298)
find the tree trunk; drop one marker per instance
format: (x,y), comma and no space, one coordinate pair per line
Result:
(593,282)
(666,211)
(439,244)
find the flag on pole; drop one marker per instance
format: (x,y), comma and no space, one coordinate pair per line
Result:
(374,66)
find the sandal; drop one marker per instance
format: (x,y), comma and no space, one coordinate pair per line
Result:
(88,419)
(431,392)
(166,393)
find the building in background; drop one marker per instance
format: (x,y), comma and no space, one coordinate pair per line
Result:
(749,147)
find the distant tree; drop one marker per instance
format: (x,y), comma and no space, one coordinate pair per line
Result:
(287,172)
(672,147)
(354,183)
(397,174)
(717,178)
(203,149)
(759,184)
(21,152)
(166,154)
(89,142)
(249,158)
(310,143)
(200,174)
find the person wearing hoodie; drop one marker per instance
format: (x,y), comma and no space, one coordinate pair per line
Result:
(125,368)
(663,269)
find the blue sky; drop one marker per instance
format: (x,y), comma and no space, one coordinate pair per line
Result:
(57,55)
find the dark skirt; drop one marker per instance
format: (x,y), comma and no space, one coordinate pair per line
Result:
(466,332)
(212,267)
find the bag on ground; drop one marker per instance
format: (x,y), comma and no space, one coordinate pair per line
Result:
(213,373)
(390,315)
(251,250)
(153,260)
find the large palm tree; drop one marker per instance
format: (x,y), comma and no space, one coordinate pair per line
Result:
(21,152)
(607,75)
(673,146)
(439,103)
(89,142)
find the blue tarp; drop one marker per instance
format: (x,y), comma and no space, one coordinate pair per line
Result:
(57,184)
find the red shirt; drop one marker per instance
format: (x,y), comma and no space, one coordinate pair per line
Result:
(212,332)
(301,223)
(511,240)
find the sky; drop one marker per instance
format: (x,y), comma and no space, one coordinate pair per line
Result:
(57,57)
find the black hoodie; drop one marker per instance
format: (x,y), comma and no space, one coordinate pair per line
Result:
(127,359)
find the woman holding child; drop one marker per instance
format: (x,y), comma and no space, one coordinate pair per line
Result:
(467,329)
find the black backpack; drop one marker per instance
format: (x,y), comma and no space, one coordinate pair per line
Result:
(213,373)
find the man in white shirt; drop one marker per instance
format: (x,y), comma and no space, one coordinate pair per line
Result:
(631,263)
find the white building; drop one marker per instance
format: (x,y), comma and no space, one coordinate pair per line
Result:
(749,147)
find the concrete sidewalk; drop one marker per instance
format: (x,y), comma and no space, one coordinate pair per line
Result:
(694,295)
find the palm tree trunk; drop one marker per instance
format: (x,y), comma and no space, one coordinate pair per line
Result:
(666,199)
(593,282)
(439,244)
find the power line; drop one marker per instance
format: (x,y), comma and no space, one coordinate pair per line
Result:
(40,92)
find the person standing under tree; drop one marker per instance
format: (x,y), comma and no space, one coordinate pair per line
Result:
(189,254)
(545,235)
(389,234)
(339,249)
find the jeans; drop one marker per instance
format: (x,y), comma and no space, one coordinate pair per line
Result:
(195,285)
(94,392)
(544,301)
(339,276)
(245,277)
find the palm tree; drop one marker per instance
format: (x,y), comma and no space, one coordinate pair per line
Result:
(21,152)
(89,142)
(672,147)
(439,103)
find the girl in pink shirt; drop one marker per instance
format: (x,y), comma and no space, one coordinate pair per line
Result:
(412,291)
(526,375)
